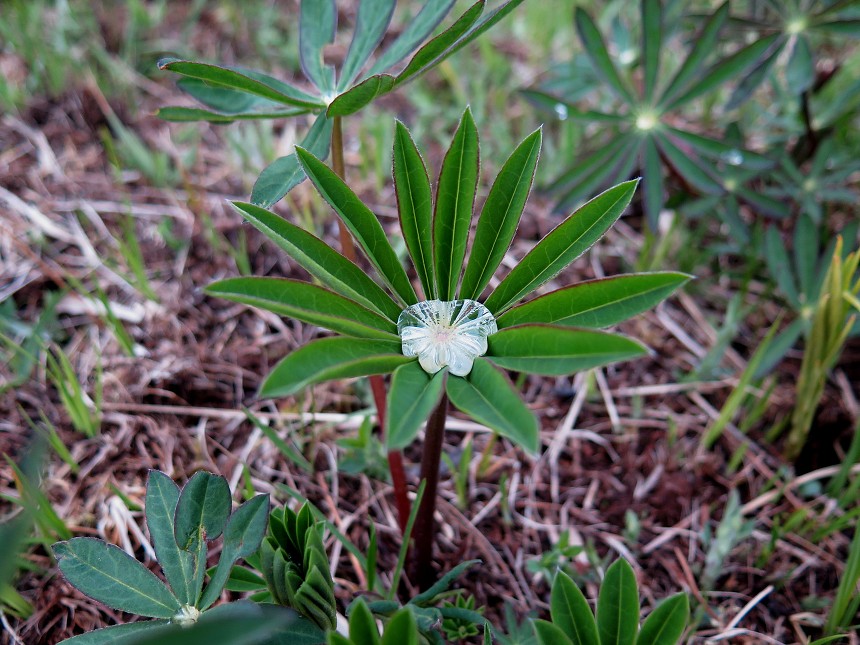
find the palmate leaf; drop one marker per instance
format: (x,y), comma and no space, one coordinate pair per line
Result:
(306,302)
(320,260)
(555,351)
(332,358)
(162,496)
(411,398)
(596,303)
(414,206)
(108,574)
(317,27)
(618,605)
(501,215)
(455,197)
(371,23)
(562,245)
(570,612)
(361,222)
(284,173)
(489,398)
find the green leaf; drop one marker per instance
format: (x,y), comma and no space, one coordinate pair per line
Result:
(501,215)
(421,26)
(756,76)
(693,169)
(162,496)
(728,68)
(432,595)
(108,574)
(652,34)
(360,95)
(596,303)
(371,23)
(763,203)
(599,56)
(841,27)
(222,99)
(549,350)
(558,106)
(618,605)
(361,222)
(570,611)
(455,197)
(720,151)
(780,267)
(704,47)
(484,24)
(549,634)
(652,179)
(317,27)
(258,85)
(306,302)
(332,358)
(665,625)
(202,510)
(562,245)
(243,535)
(601,176)
(179,114)
(401,629)
(800,70)
(490,399)
(321,261)
(362,624)
(412,396)
(115,634)
(434,51)
(284,173)
(806,245)
(414,206)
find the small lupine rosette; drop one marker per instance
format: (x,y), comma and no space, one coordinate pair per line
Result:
(452,340)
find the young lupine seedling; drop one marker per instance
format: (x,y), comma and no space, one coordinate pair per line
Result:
(617,619)
(638,126)
(447,345)
(181,523)
(232,93)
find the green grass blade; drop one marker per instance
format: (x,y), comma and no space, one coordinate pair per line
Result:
(414,206)
(618,605)
(501,215)
(455,197)
(419,28)
(562,245)
(412,396)
(371,23)
(284,173)
(556,351)
(332,358)
(596,50)
(596,303)
(108,574)
(361,222)
(321,261)
(306,302)
(490,399)
(317,27)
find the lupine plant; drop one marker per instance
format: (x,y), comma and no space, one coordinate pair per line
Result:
(447,345)
(233,93)
(640,129)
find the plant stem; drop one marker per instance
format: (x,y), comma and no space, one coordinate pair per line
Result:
(377,383)
(346,245)
(424,524)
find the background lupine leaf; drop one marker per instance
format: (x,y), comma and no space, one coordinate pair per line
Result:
(414,207)
(332,358)
(501,215)
(488,397)
(455,197)
(108,574)
(652,34)
(306,302)
(555,351)
(562,245)
(320,260)
(361,222)
(596,303)
(596,50)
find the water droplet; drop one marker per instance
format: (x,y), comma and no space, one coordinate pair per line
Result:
(733,157)
(448,334)
(561,111)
